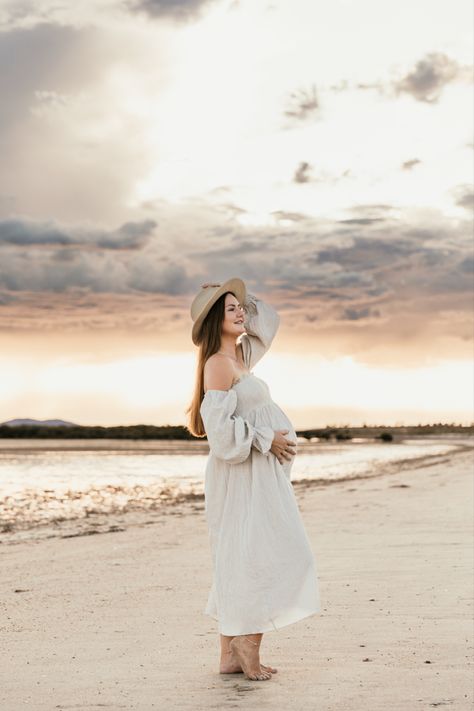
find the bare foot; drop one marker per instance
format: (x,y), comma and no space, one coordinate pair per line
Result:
(246,654)
(232,666)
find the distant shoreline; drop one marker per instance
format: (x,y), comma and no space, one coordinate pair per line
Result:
(171,432)
(197,446)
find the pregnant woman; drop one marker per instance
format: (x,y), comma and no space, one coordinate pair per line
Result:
(264,573)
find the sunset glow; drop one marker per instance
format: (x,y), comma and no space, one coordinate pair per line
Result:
(149,147)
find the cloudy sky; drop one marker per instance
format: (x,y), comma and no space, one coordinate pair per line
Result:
(320,150)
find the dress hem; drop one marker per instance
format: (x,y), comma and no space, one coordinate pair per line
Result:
(268,628)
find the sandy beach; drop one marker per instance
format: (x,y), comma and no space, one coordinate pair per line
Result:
(115,620)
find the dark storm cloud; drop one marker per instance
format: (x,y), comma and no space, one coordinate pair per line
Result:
(131,235)
(98,272)
(353,270)
(164,276)
(368,252)
(42,256)
(178,10)
(23,232)
(375,258)
(426,81)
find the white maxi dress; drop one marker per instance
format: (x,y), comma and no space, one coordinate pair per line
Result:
(264,572)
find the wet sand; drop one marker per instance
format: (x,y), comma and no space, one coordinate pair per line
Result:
(115,621)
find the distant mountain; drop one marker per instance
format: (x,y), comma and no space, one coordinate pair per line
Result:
(38,423)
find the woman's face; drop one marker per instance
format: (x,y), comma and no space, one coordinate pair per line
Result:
(233,324)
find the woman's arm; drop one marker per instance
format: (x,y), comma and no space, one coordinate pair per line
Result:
(261,323)
(231,437)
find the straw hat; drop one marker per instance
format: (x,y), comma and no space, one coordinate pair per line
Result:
(208,296)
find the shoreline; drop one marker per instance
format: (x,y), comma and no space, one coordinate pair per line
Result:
(117,621)
(194,446)
(173,500)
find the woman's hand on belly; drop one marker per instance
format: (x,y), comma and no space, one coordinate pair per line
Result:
(282,447)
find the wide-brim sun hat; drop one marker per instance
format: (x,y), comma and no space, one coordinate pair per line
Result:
(207,297)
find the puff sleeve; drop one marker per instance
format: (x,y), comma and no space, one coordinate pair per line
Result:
(230,437)
(261,323)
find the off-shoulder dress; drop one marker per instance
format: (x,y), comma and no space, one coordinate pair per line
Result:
(264,571)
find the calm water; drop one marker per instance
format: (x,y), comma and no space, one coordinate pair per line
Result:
(42,481)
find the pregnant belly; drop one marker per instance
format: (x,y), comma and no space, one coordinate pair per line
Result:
(284,423)
(280,421)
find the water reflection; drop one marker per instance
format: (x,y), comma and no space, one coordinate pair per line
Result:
(44,481)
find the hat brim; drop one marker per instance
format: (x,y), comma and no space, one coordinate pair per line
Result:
(236,285)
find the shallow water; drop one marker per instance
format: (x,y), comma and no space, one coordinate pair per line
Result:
(43,481)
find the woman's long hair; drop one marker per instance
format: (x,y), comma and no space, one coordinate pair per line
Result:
(209,342)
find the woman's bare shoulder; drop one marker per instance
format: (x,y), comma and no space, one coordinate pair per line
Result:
(218,373)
